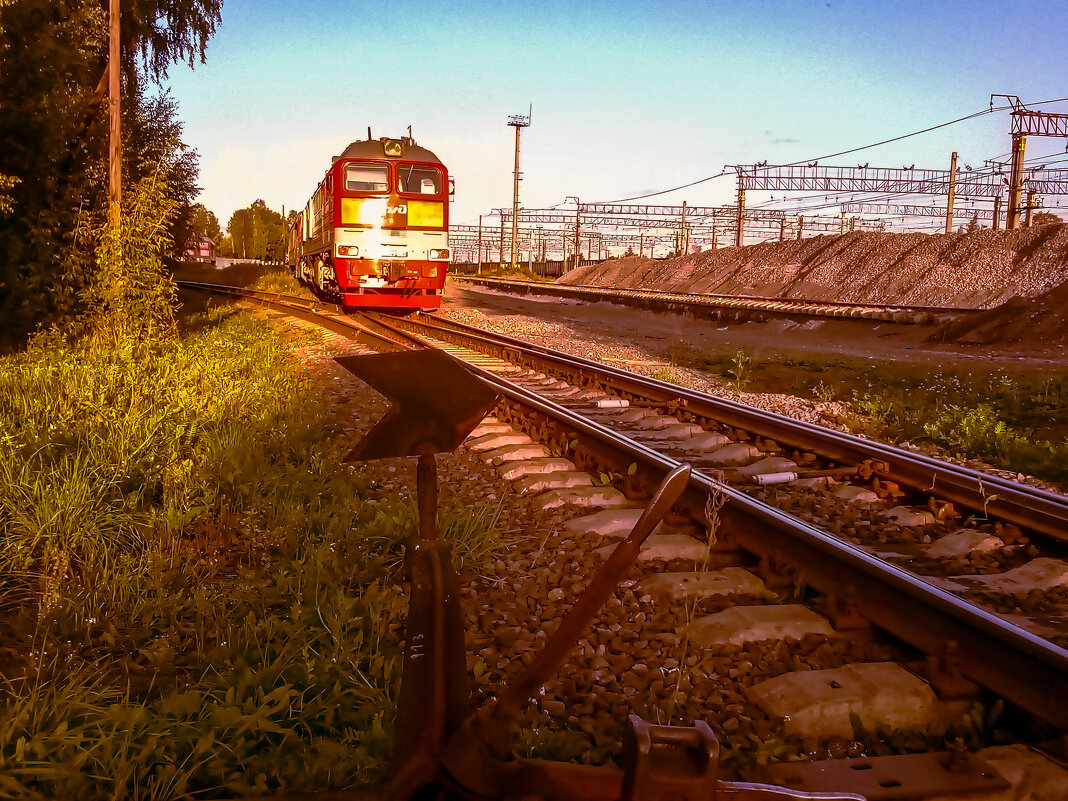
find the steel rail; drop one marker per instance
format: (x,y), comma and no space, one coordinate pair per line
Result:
(787,307)
(1016,664)
(1028,507)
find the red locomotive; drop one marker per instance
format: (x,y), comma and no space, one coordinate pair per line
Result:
(376,232)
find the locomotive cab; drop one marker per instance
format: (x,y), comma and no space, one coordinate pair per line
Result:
(376,230)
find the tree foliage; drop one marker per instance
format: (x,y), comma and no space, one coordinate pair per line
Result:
(165,32)
(195,221)
(53,142)
(257,232)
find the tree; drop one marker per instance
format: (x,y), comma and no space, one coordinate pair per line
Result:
(973,224)
(195,220)
(53,140)
(257,232)
(1045,218)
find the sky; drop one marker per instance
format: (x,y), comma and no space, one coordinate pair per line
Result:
(628,97)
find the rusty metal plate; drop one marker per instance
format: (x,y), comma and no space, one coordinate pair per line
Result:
(436,403)
(889,778)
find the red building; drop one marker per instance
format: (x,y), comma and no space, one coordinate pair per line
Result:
(199,248)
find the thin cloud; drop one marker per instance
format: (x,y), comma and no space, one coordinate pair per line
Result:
(780,140)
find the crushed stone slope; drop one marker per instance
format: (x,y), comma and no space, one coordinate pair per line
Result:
(1040,320)
(980,269)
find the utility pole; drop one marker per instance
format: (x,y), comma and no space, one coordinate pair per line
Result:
(1030,208)
(578,231)
(519,122)
(115,119)
(782,230)
(501,251)
(641,243)
(800,226)
(683,243)
(996,222)
(1019,147)
(479,268)
(952,192)
(740,220)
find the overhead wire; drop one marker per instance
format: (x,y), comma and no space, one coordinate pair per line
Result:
(980,113)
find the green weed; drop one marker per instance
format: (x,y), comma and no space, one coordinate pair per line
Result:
(740,369)
(280,280)
(196,598)
(670,375)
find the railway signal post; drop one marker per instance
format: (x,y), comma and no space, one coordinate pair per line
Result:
(430,416)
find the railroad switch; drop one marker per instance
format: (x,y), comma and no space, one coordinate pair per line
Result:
(669,762)
(441,744)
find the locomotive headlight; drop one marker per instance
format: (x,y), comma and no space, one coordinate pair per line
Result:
(393,147)
(348,250)
(439,253)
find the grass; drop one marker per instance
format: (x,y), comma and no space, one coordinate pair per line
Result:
(670,375)
(280,280)
(520,271)
(1018,421)
(196,600)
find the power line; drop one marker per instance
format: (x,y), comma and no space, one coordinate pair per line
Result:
(981,113)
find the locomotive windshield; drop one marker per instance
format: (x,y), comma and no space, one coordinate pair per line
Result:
(418,180)
(367,177)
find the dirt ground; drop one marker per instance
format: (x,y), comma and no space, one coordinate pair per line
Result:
(667,333)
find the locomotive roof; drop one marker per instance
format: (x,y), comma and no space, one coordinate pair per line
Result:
(375,148)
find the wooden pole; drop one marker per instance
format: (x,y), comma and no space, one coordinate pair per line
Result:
(952,192)
(115,120)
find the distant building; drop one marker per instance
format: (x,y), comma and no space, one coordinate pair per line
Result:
(199,248)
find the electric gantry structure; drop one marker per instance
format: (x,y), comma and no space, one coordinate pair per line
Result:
(879,199)
(989,184)
(593,230)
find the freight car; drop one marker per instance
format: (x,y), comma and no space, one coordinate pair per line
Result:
(375,233)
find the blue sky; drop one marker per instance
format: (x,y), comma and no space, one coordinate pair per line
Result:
(629,97)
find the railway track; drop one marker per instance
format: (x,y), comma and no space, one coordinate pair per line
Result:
(596,440)
(725,307)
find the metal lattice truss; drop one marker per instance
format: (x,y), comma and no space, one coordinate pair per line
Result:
(1039,123)
(898,210)
(808,178)
(720,219)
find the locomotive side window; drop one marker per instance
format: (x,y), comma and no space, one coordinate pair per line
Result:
(418,180)
(367,177)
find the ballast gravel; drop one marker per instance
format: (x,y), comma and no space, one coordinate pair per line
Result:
(636,657)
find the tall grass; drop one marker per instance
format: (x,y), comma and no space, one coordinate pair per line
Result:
(1016,420)
(196,599)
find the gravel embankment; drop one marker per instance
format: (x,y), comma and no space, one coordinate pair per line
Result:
(980,269)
